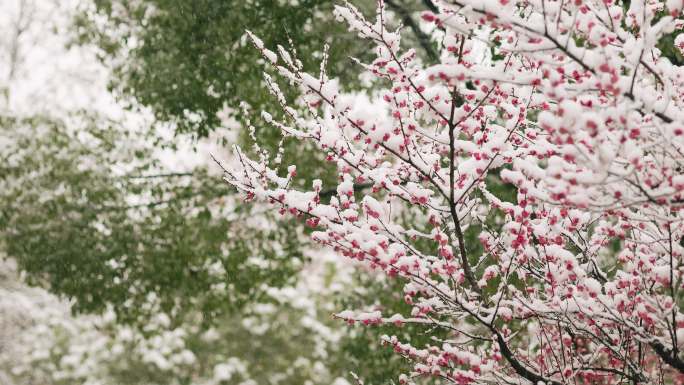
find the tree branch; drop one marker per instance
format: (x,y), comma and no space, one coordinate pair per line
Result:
(668,356)
(163,175)
(456,99)
(431,6)
(423,38)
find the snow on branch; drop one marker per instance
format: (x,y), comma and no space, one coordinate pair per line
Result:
(541,161)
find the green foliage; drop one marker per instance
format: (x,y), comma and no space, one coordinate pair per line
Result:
(83,228)
(669,50)
(260,344)
(186,60)
(361,351)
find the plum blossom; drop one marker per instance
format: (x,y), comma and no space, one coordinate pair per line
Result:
(543,182)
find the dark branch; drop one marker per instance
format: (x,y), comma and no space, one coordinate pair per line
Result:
(431,6)
(164,175)
(423,38)
(668,356)
(330,192)
(518,367)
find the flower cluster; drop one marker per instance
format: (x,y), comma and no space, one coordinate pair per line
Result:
(541,165)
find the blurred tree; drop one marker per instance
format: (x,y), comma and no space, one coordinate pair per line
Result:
(188,60)
(258,345)
(87,213)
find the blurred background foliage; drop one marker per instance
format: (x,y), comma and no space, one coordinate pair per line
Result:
(84,216)
(188,60)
